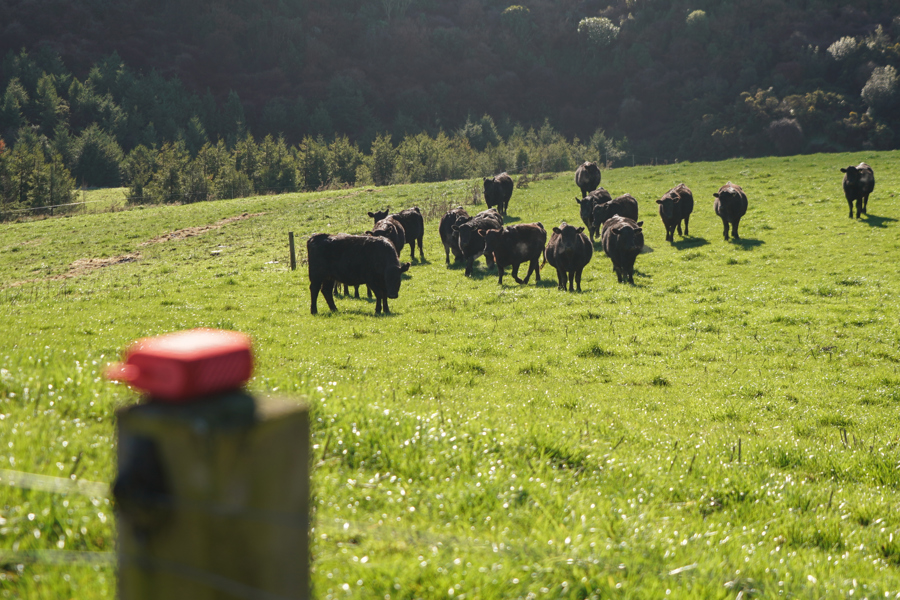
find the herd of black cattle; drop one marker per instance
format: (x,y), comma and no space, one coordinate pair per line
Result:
(373,259)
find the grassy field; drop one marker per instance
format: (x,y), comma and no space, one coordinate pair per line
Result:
(727,427)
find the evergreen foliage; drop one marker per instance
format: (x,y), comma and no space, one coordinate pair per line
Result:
(378,92)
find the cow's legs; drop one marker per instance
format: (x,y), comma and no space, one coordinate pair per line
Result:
(686,219)
(314,287)
(328,292)
(850,203)
(560,278)
(422,252)
(866,204)
(578,279)
(734,229)
(515,274)
(381,304)
(725,229)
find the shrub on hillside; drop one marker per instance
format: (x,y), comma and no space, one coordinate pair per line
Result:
(518,19)
(787,136)
(881,90)
(314,163)
(344,159)
(381,160)
(32,174)
(138,169)
(97,159)
(843,48)
(166,184)
(276,167)
(697,21)
(599,30)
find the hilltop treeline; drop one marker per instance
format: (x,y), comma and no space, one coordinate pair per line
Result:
(679,79)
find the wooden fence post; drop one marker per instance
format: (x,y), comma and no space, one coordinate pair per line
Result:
(293,255)
(213,499)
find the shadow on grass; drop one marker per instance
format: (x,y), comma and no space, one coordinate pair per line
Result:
(875,221)
(647,249)
(691,242)
(508,219)
(481,271)
(747,243)
(364,310)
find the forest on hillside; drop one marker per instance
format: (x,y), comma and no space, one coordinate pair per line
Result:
(658,79)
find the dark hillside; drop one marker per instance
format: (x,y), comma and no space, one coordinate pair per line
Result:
(680,79)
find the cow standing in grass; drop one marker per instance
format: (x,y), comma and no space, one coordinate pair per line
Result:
(497,192)
(586,208)
(354,260)
(471,245)
(413,228)
(569,251)
(587,177)
(730,205)
(674,207)
(515,245)
(623,240)
(449,237)
(625,206)
(859,182)
(390,229)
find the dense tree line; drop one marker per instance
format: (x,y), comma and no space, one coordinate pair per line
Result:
(184,82)
(36,174)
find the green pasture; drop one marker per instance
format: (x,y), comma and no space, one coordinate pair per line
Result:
(725,428)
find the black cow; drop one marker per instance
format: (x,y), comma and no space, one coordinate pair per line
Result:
(859,181)
(514,245)
(449,237)
(497,192)
(569,251)
(337,289)
(676,206)
(391,229)
(625,206)
(471,245)
(586,208)
(413,227)
(354,260)
(623,240)
(587,177)
(730,205)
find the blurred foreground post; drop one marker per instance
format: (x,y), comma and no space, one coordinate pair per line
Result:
(213,499)
(212,493)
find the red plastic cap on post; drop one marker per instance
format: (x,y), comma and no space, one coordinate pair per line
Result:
(187,365)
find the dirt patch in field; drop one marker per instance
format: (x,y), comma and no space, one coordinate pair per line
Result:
(181,234)
(85,265)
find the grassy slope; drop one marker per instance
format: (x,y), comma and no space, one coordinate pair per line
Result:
(501,441)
